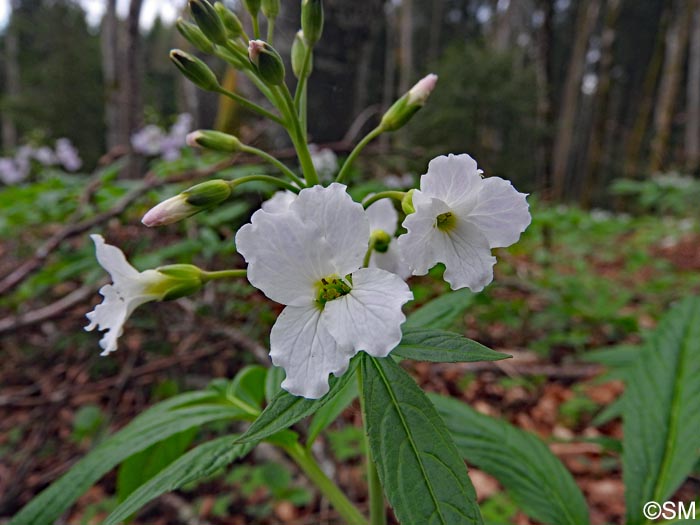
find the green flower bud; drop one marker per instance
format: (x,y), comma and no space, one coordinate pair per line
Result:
(312,20)
(407,202)
(231,22)
(191,201)
(299,47)
(194,36)
(267,62)
(208,194)
(208,20)
(379,240)
(270,8)
(253,6)
(195,70)
(403,109)
(214,140)
(183,279)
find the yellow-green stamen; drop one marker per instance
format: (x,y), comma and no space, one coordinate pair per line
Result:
(330,288)
(446,221)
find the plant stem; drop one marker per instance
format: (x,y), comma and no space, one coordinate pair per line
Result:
(377,511)
(270,30)
(222,274)
(250,105)
(256,26)
(275,162)
(355,152)
(340,502)
(299,139)
(397,195)
(264,178)
(301,86)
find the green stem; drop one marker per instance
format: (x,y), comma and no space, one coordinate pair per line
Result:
(222,274)
(264,178)
(377,511)
(302,81)
(250,105)
(270,30)
(397,195)
(340,502)
(302,109)
(272,160)
(256,26)
(368,255)
(345,170)
(299,139)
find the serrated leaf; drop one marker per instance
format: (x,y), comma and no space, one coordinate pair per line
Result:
(331,410)
(199,463)
(440,346)
(661,410)
(286,409)
(521,462)
(441,312)
(423,474)
(151,427)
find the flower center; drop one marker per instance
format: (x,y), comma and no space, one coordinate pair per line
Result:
(446,221)
(330,288)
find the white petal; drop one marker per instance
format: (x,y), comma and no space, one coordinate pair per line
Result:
(418,247)
(454,179)
(113,260)
(382,216)
(279,202)
(369,318)
(286,257)
(391,261)
(300,343)
(342,221)
(467,256)
(501,212)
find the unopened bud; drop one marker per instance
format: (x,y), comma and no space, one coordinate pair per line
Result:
(182,280)
(208,20)
(214,140)
(403,109)
(407,202)
(195,70)
(194,36)
(312,20)
(379,240)
(270,8)
(267,62)
(231,22)
(253,6)
(299,47)
(191,201)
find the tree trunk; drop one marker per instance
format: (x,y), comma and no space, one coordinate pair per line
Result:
(676,40)
(133,78)
(12,83)
(406,46)
(110,63)
(388,89)
(543,74)
(692,124)
(438,7)
(364,62)
(585,23)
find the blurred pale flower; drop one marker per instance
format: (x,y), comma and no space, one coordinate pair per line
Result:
(383,220)
(459,217)
(325,161)
(67,155)
(10,172)
(147,140)
(309,258)
(45,156)
(398,181)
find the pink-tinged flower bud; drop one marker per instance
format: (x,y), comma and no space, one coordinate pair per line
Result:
(403,109)
(191,201)
(267,62)
(214,140)
(419,93)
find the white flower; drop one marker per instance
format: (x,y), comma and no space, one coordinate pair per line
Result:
(383,220)
(308,258)
(459,216)
(279,202)
(325,161)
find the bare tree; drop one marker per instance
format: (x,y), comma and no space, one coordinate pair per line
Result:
(543,73)
(110,64)
(12,83)
(585,23)
(692,124)
(406,45)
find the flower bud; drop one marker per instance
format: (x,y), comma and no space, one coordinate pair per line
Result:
(403,109)
(231,22)
(208,20)
(299,47)
(312,20)
(182,280)
(191,201)
(195,70)
(253,6)
(194,36)
(267,62)
(214,140)
(270,8)
(379,241)
(407,202)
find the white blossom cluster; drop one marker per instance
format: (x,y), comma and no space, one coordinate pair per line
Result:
(14,170)
(153,140)
(340,269)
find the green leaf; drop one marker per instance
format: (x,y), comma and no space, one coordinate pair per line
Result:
(142,466)
(273,380)
(441,312)
(423,475)
(249,386)
(521,462)
(200,462)
(152,426)
(286,409)
(331,410)
(661,410)
(440,346)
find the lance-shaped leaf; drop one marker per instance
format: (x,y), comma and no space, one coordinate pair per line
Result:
(440,346)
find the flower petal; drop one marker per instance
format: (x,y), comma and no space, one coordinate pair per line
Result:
(279,202)
(467,256)
(113,260)
(382,216)
(500,212)
(391,261)
(369,318)
(454,179)
(301,344)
